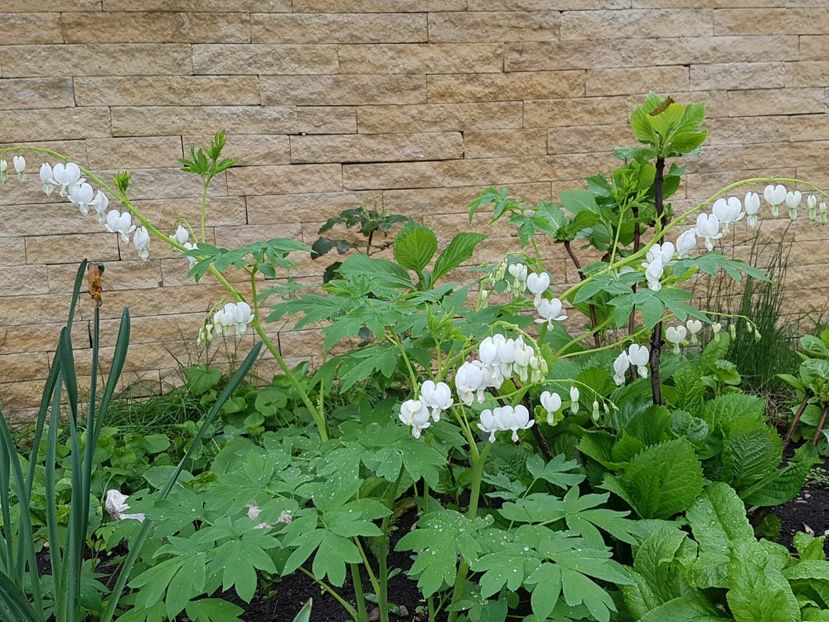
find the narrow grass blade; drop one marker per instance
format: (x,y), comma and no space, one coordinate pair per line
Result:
(14,604)
(76,290)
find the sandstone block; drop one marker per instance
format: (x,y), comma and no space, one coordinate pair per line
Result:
(45,6)
(249,149)
(20,396)
(807,74)
(232,237)
(761,102)
(505,143)
(376,6)
(423,201)
(130,273)
(167,91)
(58,124)
(582,25)
(505,86)
(300,178)
(588,138)
(34,310)
(419,58)
(16,94)
(326,120)
(264,58)
(343,90)
(377,147)
(12,252)
(339,28)
(266,209)
(797,21)
(494,26)
(738,75)
(206,6)
(814,47)
(439,117)
(165,213)
(748,130)
(27,28)
(629,80)
(155,27)
(18,280)
(132,153)
(102,59)
(71,248)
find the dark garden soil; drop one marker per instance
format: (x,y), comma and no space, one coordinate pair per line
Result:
(808,512)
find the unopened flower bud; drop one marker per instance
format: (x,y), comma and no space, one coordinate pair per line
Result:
(732,329)
(757,335)
(811,207)
(822,213)
(716,327)
(4,175)
(596,414)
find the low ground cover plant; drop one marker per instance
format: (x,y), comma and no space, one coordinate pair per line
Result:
(579,453)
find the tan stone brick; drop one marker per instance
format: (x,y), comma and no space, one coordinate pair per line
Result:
(815,174)
(419,202)
(12,252)
(163,300)
(18,396)
(58,124)
(738,157)
(43,6)
(154,120)
(300,178)
(73,149)
(814,47)
(807,127)
(166,212)
(165,183)
(301,342)
(179,329)
(118,275)
(268,209)
(249,149)
(343,90)
(494,26)
(167,27)
(588,138)
(232,237)
(702,185)
(377,147)
(505,86)
(747,130)
(339,28)
(264,58)
(36,93)
(23,280)
(96,59)
(207,6)
(71,248)
(760,102)
(738,75)
(771,21)
(625,81)
(167,90)
(543,5)
(376,6)
(582,25)
(326,120)
(807,74)
(574,54)
(504,143)
(21,28)
(418,58)
(439,117)
(37,309)
(133,153)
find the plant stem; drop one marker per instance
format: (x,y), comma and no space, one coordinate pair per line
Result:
(637,241)
(656,336)
(597,341)
(362,612)
(471,513)
(203,211)
(327,588)
(801,409)
(820,426)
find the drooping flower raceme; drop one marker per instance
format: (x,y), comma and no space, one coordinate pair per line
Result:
(708,228)
(141,239)
(550,311)
(116,506)
(620,367)
(438,397)
(415,414)
(676,335)
(505,418)
(638,356)
(775,196)
(793,199)
(727,211)
(121,223)
(752,205)
(234,315)
(19,163)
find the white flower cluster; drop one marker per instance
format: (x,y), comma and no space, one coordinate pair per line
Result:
(234,315)
(434,399)
(537,283)
(506,418)
(658,258)
(635,355)
(182,236)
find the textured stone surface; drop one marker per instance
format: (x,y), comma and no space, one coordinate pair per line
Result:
(407,106)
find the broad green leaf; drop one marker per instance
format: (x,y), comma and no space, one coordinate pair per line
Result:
(415,246)
(459,250)
(683,609)
(718,519)
(758,591)
(213,610)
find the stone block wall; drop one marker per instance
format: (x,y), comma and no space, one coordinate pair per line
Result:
(414,105)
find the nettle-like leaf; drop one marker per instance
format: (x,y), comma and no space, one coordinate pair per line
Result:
(460,249)
(273,252)
(712,263)
(415,246)
(758,591)
(783,484)
(439,539)
(718,519)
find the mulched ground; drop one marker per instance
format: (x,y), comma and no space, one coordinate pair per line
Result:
(808,512)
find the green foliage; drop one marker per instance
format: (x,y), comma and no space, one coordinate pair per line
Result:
(264,255)
(208,163)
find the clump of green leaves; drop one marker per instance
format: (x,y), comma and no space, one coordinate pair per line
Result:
(207,163)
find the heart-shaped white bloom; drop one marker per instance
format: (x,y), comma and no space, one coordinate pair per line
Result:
(811,207)
(727,211)
(100,203)
(118,222)
(82,196)
(551,402)
(19,163)
(116,506)
(676,334)
(638,356)
(490,424)
(550,311)
(662,252)
(775,196)
(234,315)
(141,239)
(66,176)
(524,355)
(793,199)
(438,397)
(514,419)
(574,400)
(182,236)
(752,205)
(242,316)
(694,326)
(519,273)
(488,351)
(47,179)
(538,283)
(620,367)
(708,228)
(654,272)
(686,242)
(469,380)
(414,414)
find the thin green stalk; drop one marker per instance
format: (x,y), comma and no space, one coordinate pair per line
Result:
(371,576)
(412,375)
(357,580)
(327,588)
(203,211)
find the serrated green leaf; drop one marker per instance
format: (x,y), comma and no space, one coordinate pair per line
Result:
(414,246)
(459,250)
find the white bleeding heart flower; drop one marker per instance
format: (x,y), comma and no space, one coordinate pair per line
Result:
(141,239)
(4,174)
(234,315)
(775,196)
(517,418)
(415,414)
(182,236)
(121,223)
(620,367)
(727,211)
(438,397)
(676,335)
(752,205)
(550,311)
(811,207)
(595,414)
(488,351)
(653,273)
(519,273)
(83,196)
(708,228)
(537,284)
(551,402)
(694,327)
(66,176)
(47,179)
(100,203)
(638,356)
(661,252)
(821,214)
(686,243)
(489,424)
(574,400)
(524,355)
(792,202)
(116,506)
(19,163)
(470,381)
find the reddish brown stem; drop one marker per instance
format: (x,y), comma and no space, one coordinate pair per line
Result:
(597,341)
(656,336)
(820,426)
(793,426)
